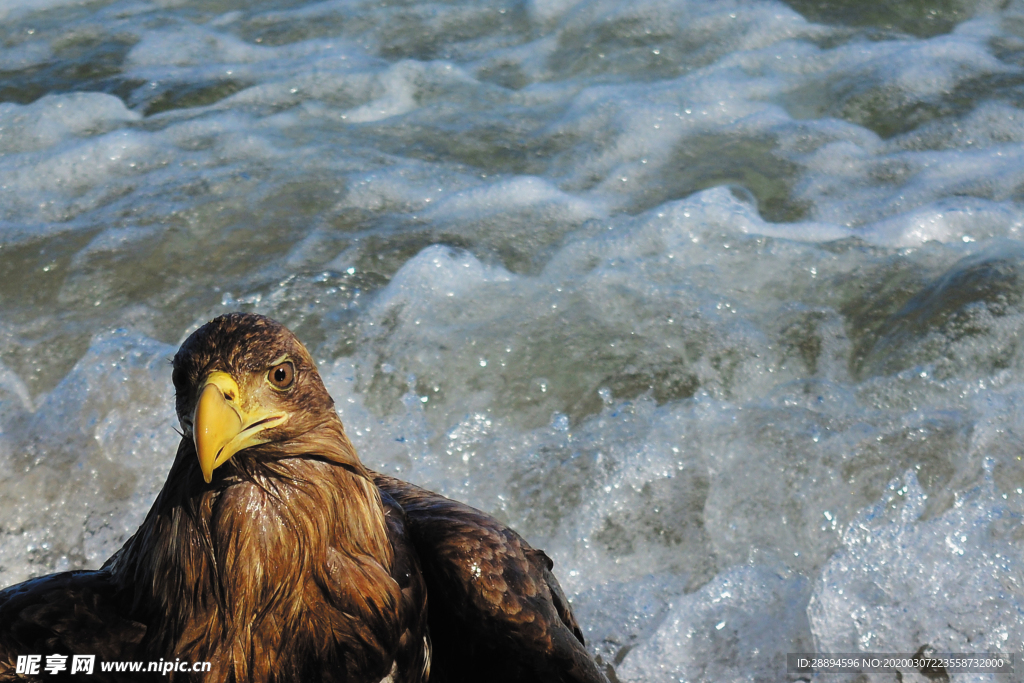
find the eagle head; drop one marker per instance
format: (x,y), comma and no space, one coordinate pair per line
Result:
(242,381)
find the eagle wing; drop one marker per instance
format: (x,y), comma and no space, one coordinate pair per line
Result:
(65,614)
(412,660)
(496,612)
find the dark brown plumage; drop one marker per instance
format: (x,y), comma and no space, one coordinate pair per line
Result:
(275,555)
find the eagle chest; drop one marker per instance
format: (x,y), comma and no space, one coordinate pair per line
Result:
(292,595)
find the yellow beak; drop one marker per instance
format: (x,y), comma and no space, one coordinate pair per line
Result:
(221,428)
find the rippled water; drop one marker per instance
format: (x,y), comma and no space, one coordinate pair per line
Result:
(719,302)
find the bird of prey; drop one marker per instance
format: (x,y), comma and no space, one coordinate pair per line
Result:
(274,554)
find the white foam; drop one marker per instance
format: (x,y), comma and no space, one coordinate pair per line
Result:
(947,220)
(511,195)
(720,207)
(545,11)
(917,67)
(433,275)
(194,46)
(53,119)
(408,187)
(737,627)
(81,469)
(329,69)
(11,383)
(11,9)
(988,124)
(399,96)
(59,184)
(962,564)
(24,55)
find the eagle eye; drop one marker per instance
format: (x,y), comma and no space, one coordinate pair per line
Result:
(282,375)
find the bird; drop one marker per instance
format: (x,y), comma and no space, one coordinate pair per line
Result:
(273,554)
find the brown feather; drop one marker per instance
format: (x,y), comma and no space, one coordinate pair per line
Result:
(497,612)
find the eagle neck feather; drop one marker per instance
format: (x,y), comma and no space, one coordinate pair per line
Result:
(259,571)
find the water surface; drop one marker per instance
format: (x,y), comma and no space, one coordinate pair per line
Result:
(719,302)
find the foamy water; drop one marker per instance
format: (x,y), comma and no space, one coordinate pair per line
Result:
(720,303)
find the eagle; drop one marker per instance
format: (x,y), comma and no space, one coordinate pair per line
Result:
(274,554)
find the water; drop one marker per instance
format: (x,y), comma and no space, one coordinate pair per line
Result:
(719,302)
